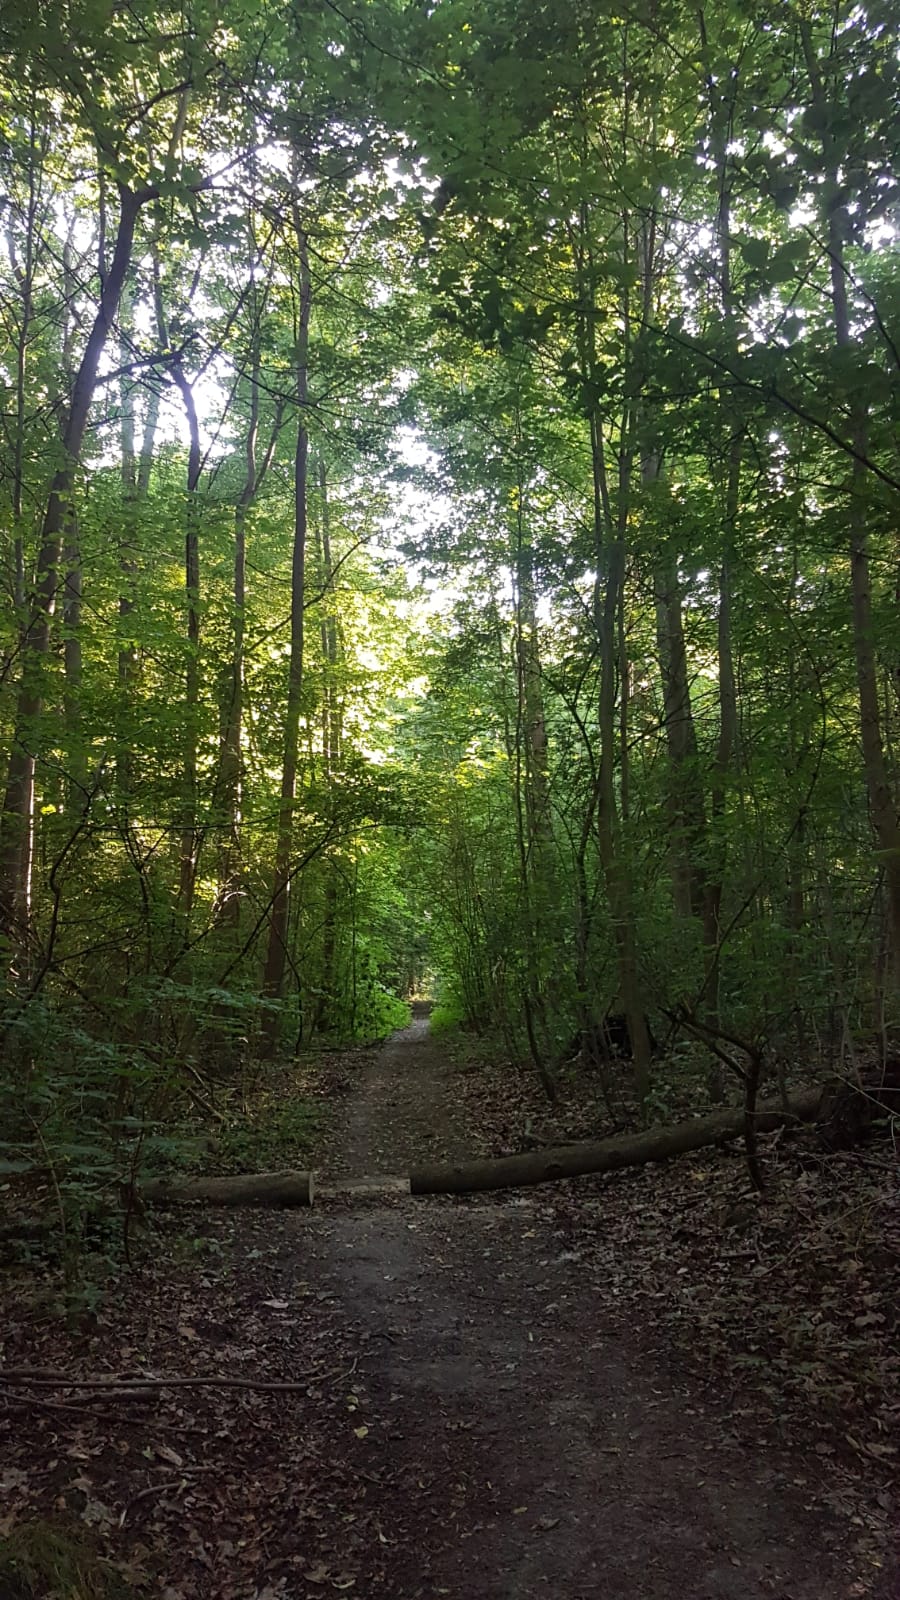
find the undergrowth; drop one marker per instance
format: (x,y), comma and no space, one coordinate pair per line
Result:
(84,1118)
(275,1133)
(446,1017)
(40,1560)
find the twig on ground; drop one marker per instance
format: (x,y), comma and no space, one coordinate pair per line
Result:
(183,1474)
(135,1385)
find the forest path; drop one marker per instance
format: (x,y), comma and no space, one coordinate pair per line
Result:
(523,1450)
(402,1111)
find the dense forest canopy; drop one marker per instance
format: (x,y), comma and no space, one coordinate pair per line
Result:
(449,494)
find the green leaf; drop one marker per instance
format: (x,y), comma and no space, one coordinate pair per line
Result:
(755,251)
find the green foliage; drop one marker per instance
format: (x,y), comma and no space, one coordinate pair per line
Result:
(560,480)
(377,1013)
(446,1017)
(65,1560)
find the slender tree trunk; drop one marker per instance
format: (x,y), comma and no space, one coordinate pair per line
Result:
(610,562)
(135,483)
(73,592)
(685,791)
(16,824)
(796,898)
(609,530)
(189,836)
(15,831)
(615,871)
(232,766)
(25,278)
(722,113)
(72,573)
(532,798)
(232,732)
(332,730)
(276,955)
(332,738)
(727,739)
(882,806)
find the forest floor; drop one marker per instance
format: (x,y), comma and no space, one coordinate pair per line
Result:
(602,1388)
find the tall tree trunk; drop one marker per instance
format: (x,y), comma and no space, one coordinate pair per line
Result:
(16,846)
(615,869)
(333,723)
(532,794)
(684,790)
(135,483)
(882,807)
(610,525)
(796,892)
(233,722)
(73,591)
(229,800)
(276,954)
(721,102)
(189,836)
(332,739)
(73,577)
(16,823)
(25,278)
(726,746)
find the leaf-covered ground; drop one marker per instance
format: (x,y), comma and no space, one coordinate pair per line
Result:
(630,1387)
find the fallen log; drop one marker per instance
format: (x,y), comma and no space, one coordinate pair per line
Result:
(607,1155)
(503,1172)
(243,1189)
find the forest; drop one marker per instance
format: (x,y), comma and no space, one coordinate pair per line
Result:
(449,487)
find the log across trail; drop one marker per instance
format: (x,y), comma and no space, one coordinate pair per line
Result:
(503,1172)
(604,1155)
(239,1189)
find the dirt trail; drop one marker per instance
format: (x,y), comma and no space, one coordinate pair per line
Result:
(523,1451)
(402,1111)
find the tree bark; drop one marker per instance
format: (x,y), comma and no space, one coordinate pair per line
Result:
(332,740)
(276,954)
(73,594)
(231,770)
(25,275)
(244,1189)
(189,845)
(727,739)
(233,720)
(685,798)
(135,486)
(532,793)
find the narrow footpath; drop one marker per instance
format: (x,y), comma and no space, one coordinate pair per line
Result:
(558,1462)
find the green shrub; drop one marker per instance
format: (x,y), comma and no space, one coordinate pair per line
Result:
(446,1016)
(377,1012)
(41,1559)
